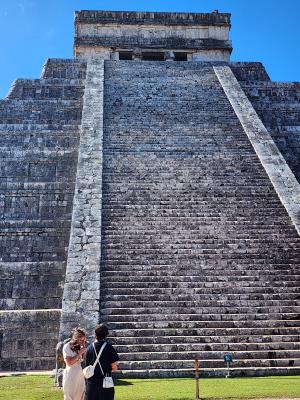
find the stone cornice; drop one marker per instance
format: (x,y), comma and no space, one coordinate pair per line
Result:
(151,18)
(153,43)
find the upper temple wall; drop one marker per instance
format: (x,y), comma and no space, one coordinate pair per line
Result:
(148,35)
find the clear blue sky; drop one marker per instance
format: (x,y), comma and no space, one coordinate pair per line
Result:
(33,30)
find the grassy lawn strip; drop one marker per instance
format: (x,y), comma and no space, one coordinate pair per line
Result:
(41,388)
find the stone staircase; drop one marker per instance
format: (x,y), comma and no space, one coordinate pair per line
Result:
(39,134)
(199,257)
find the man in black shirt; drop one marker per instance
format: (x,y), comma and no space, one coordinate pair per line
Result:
(108,361)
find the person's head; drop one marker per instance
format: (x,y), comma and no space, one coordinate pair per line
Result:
(101,331)
(78,339)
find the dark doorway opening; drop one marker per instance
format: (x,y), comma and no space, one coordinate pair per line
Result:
(125,55)
(180,56)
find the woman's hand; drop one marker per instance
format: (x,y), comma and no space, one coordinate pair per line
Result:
(114,367)
(82,351)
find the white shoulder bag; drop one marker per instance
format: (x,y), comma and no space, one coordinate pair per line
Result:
(88,371)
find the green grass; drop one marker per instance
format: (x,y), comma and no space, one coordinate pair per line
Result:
(41,388)
(28,388)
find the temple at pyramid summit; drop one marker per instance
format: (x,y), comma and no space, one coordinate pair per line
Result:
(152,184)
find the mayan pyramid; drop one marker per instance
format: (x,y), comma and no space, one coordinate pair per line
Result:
(152,184)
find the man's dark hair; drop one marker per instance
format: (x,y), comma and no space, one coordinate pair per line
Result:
(101,331)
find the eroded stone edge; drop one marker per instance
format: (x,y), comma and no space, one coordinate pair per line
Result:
(80,305)
(280,174)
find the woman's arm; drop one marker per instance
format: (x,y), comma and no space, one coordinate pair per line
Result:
(73,360)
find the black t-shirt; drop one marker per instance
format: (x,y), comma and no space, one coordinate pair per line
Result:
(108,356)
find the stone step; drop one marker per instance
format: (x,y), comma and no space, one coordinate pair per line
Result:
(236,265)
(201,226)
(168,212)
(205,291)
(64,187)
(121,142)
(188,210)
(116,318)
(184,337)
(277,308)
(205,323)
(114,250)
(194,304)
(35,127)
(35,138)
(206,348)
(144,280)
(171,213)
(203,274)
(207,217)
(217,286)
(206,356)
(114,206)
(217,363)
(239,230)
(199,270)
(139,255)
(201,204)
(186,197)
(207,228)
(35,105)
(40,152)
(209,188)
(60,89)
(216,332)
(288,251)
(28,226)
(221,264)
(39,112)
(233,227)
(184,258)
(64,69)
(188,295)
(196,281)
(207,372)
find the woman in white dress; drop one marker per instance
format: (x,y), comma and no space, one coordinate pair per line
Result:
(73,379)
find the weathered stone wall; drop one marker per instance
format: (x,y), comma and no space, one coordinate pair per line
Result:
(28,339)
(249,71)
(31,285)
(278,105)
(39,136)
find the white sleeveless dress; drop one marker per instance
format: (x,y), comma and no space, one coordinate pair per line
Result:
(73,379)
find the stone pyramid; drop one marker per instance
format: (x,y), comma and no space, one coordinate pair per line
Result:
(153,185)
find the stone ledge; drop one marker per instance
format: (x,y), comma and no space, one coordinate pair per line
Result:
(153,18)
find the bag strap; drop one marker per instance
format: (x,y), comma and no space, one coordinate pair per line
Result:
(98,357)
(99,354)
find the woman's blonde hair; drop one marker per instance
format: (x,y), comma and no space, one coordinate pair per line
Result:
(77,333)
